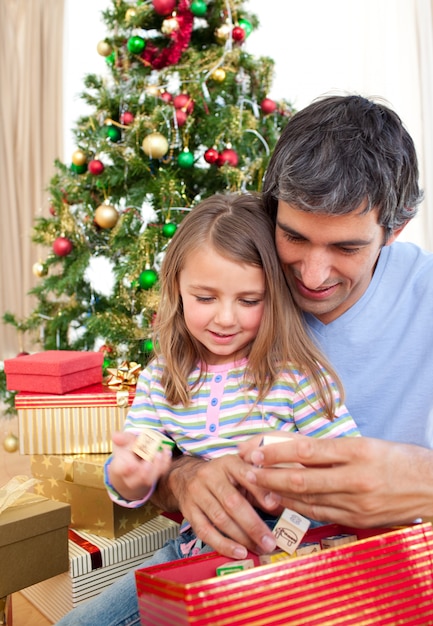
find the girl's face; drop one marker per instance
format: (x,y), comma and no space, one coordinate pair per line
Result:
(223,303)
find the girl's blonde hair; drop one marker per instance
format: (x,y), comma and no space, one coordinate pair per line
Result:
(237,227)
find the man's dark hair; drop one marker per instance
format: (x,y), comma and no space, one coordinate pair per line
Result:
(341,151)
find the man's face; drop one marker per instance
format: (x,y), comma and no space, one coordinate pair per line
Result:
(328,260)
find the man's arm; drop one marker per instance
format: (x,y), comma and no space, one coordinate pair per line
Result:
(362,482)
(210,495)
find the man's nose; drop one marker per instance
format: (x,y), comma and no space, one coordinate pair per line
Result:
(315,269)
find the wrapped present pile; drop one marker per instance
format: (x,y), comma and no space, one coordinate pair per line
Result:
(66,415)
(95,563)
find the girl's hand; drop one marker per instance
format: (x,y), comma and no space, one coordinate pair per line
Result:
(131,476)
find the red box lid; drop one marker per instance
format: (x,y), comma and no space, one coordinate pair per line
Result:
(92,395)
(53,362)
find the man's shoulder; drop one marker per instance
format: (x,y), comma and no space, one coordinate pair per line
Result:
(408,255)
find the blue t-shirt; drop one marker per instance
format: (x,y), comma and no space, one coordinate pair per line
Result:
(382,348)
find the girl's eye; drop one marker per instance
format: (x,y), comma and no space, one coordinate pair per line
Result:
(250,302)
(203,299)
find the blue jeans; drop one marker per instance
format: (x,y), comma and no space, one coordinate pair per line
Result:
(117,605)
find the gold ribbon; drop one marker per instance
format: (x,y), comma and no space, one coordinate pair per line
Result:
(14,492)
(122,398)
(124,376)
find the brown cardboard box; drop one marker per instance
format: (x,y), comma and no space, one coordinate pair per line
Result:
(33,543)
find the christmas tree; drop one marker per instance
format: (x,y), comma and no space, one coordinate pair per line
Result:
(183,111)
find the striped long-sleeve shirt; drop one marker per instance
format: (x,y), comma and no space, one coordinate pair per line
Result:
(220,414)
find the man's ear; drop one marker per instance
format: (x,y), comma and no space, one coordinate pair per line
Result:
(395,233)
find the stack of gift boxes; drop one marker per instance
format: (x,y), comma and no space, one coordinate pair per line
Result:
(66,414)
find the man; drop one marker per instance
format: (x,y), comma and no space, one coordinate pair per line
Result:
(341,186)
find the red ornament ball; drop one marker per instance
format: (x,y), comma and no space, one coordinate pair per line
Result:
(238,34)
(164,7)
(127,118)
(268,106)
(184,101)
(62,246)
(229,157)
(211,156)
(166,96)
(95,167)
(181,117)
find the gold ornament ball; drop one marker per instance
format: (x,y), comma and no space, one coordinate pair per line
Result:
(155,145)
(169,26)
(104,48)
(153,90)
(130,14)
(10,443)
(79,157)
(39,269)
(222,33)
(218,75)
(106,216)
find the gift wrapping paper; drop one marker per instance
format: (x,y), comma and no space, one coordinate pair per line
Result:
(385,579)
(79,480)
(33,542)
(95,563)
(53,371)
(93,510)
(75,423)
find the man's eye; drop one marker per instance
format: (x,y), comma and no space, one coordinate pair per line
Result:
(349,250)
(292,238)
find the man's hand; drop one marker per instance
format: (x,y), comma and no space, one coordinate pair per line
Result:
(354,481)
(211,496)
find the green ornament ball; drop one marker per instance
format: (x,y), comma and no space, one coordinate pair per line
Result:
(246,25)
(111,59)
(185,159)
(136,44)
(147,345)
(147,279)
(198,8)
(113,133)
(169,229)
(79,169)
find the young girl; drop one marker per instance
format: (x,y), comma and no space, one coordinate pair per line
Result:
(232,357)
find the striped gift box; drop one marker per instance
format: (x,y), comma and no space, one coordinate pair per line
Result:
(74,423)
(95,563)
(383,579)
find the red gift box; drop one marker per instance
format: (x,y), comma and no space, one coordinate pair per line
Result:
(78,422)
(386,578)
(53,371)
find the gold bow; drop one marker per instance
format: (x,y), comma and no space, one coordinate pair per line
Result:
(124,376)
